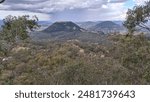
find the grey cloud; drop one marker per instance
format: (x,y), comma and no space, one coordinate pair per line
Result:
(23,1)
(61,8)
(49,6)
(118,1)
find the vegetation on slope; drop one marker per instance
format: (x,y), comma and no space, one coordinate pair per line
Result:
(74,62)
(23,61)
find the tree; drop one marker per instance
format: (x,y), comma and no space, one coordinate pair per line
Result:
(16,28)
(138,17)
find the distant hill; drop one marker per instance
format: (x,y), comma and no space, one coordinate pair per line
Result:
(67,26)
(107,24)
(62,31)
(107,27)
(103,26)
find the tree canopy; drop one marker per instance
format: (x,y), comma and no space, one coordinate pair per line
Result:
(16,28)
(139,16)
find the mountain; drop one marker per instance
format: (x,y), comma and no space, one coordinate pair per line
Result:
(67,26)
(107,27)
(89,24)
(107,24)
(62,31)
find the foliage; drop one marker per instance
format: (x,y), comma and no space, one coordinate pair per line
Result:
(133,54)
(75,62)
(16,28)
(138,17)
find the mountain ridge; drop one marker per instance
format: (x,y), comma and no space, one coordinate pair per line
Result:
(67,26)
(107,27)
(67,30)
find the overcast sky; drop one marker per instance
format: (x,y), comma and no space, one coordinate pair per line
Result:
(70,10)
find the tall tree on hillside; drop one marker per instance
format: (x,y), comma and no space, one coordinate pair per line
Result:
(139,16)
(16,28)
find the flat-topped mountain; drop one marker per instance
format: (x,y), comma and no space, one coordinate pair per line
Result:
(107,24)
(67,26)
(107,27)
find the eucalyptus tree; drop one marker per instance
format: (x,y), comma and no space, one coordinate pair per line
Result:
(139,17)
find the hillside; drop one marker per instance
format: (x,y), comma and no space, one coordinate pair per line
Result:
(63,31)
(67,26)
(77,63)
(107,27)
(65,54)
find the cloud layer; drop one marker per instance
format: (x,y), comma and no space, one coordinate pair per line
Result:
(77,10)
(140,2)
